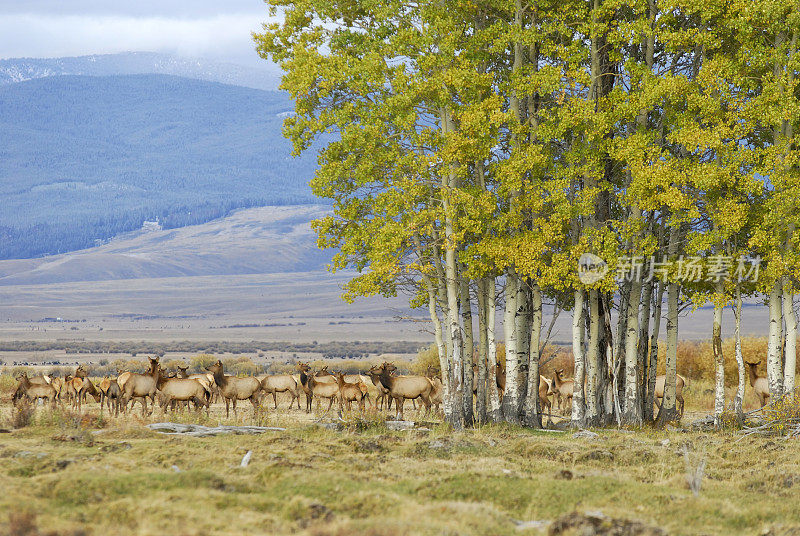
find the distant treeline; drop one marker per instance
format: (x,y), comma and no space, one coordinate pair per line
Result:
(334,349)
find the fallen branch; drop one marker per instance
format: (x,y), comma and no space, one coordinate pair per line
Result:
(197,430)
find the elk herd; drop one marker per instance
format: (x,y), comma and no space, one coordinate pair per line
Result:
(378,388)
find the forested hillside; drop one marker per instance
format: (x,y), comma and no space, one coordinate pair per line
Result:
(84,158)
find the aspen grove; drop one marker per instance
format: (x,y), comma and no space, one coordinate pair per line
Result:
(473,152)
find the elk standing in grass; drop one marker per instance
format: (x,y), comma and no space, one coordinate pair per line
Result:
(304,369)
(349,392)
(322,388)
(758,383)
(182,390)
(141,387)
(110,391)
(438,389)
(404,387)
(562,389)
(281,383)
(35,391)
(233,389)
(680,381)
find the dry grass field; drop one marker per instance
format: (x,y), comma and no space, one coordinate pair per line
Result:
(68,474)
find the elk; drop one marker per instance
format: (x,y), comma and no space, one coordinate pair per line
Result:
(182,390)
(758,383)
(404,387)
(281,383)
(68,389)
(383,392)
(562,389)
(88,388)
(35,391)
(349,392)
(109,390)
(680,381)
(304,369)
(234,389)
(438,387)
(544,388)
(323,389)
(141,386)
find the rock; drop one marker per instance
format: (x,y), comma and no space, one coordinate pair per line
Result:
(399,425)
(335,426)
(196,430)
(585,434)
(437,444)
(246,459)
(29,454)
(598,455)
(530,525)
(175,468)
(63,464)
(595,523)
(665,443)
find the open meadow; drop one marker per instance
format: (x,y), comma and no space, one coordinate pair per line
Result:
(92,473)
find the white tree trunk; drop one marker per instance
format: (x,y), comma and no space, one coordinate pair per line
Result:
(483,354)
(789,369)
(633,410)
(774,372)
(511,393)
(652,367)
(719,361)
(533,416)
(495,412)
(592,360)
(469,348)
(578,336)
(738,401)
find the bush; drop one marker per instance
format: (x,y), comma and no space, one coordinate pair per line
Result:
(200,362)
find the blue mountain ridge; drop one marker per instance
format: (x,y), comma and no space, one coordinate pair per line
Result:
(84,158)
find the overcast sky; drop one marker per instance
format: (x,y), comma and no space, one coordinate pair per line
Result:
(215,29)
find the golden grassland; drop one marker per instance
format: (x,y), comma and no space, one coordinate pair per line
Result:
(102,475)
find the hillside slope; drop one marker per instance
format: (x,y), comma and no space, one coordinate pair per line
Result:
(263,240)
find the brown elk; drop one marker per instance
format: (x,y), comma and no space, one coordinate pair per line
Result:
(141,387)
(562,389)
(83,386)
(382,392)
(109,390)
(680,381)
(544,388)
(759,384)
(438,388)
(320,387)
(233,389)
(182,390)
(304,369)
(281,383)
(404,387)
(35,391)
(349,392)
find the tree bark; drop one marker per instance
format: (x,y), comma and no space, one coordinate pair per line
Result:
(511,393)
(652,367)
(533,414)
(789,369)
(578,336)
(633,410)
(495,412)
(738,400)
(483,354)
(593,360)
(469,348)
(644,338)
(719,361)
(774,373)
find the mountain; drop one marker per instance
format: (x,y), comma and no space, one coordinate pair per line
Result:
(86,158)
(22,69)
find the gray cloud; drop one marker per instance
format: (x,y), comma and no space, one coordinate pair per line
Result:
(199,28)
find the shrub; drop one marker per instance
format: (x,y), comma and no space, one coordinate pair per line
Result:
(199,362)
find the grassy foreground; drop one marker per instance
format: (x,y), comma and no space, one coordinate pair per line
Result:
(114,476)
